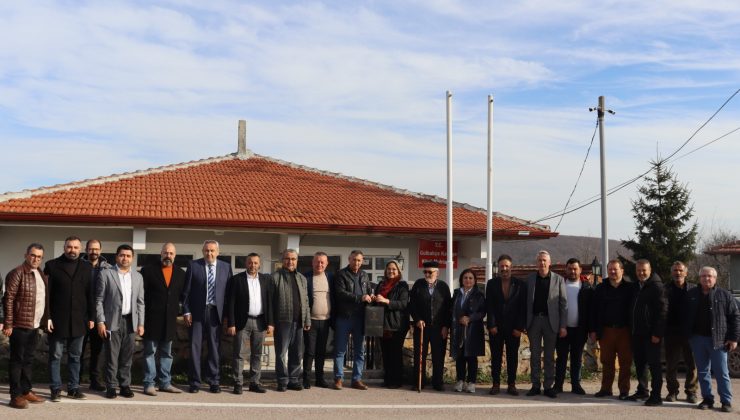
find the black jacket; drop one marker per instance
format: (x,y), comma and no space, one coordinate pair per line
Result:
(161,303)
(237,300)
(677,305)
(725,315)
(606,297)
(472,335)
(434,310)
(585,300)
(396,312)
(70,304)
(649,308)
(347,303)
(506,315)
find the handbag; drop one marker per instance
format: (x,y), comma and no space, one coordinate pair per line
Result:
(374,317)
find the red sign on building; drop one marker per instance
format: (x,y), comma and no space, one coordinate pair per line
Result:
(436,251)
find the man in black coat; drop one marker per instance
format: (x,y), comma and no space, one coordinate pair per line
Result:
(248,316)
(430,307)
(93,249)
(676,340)
(506,303)
(649,309)
(71,314)
(163,293)
(579,294)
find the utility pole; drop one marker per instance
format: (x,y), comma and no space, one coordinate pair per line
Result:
(489,213)
(450,258)
(601,110)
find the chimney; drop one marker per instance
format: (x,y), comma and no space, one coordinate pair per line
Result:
(242,149)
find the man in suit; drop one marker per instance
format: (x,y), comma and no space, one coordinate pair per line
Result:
(93,249)
(71,314)
(164,284)
(321,300)
(547,314)
(119,307)
(292,317)
(203,308)
(352,292)
(248,317)
(506,302)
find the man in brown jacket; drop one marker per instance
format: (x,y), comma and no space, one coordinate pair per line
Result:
(25,310)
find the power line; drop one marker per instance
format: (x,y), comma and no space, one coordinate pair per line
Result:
(588,151)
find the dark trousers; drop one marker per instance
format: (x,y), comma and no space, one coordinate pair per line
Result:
(210,330)
(119,354)
(95,366)
(467,367)
(315,341)
(392,349)
(646,354)
(22,348)
(433,339)
(496,343)
(570,346)
(675,347)
(288,351)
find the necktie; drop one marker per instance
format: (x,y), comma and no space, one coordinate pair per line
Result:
(211,286)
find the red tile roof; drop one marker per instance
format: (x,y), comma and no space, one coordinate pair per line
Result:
(252,192)
(730,248)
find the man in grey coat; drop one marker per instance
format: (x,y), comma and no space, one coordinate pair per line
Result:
(547,314)
(119,307)
(292,316)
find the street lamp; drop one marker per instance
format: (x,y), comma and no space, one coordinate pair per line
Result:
(596,268)
(400,260)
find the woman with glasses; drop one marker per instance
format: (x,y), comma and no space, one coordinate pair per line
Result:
(393,293)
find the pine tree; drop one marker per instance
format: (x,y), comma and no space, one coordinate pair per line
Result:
(663,223)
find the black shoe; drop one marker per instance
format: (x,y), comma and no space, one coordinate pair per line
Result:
(671,397)
(215,389)
(110,393)
(96,386)
(56,396)
(558,388)
(322,383)
(577,389)
(637,396)
(705,404)
(623,396)
(535,390)
(257,388)
(75,394)
(439,387)
(603,393)
(551,392)
(126,392)
(654,401)
(691,398)
(306,384)
(193,389)
(281,388)
(237,390)
(726,408)
(295,386)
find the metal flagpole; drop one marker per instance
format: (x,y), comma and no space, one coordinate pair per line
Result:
(450,266)
(489,217)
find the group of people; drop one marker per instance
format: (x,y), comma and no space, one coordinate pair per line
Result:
(80,301)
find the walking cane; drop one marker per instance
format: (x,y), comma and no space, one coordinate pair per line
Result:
(421,352)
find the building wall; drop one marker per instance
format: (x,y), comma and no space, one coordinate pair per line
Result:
(735,272)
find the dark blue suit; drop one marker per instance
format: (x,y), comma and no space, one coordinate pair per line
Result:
(206,319)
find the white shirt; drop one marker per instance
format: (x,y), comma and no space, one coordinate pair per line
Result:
(571,292)
(125,282)
(255,295)
(40,298)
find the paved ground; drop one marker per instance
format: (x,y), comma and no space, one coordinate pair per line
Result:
(348,403)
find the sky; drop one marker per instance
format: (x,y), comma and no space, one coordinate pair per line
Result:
(89,89)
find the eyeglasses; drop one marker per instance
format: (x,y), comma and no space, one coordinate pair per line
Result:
(428,271)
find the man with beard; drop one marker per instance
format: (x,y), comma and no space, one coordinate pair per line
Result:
(93,249)
(70,315)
